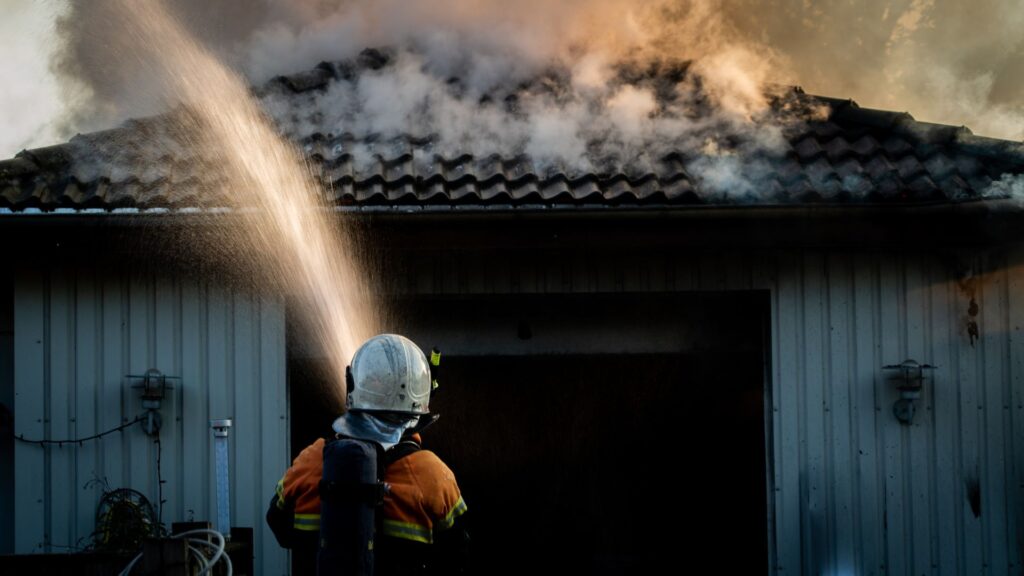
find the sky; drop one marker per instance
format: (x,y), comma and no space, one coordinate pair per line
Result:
(955,62)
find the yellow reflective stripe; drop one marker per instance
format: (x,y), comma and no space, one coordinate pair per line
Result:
(458,510)
(280,494)
(435,357)
(407,531)
(308,522)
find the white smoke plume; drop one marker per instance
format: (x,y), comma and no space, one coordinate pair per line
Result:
(944,61)
(485,43)
(573,84)
(1009,186)
(577,86)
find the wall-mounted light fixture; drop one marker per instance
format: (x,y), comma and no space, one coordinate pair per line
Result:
(154,388)
(909,380)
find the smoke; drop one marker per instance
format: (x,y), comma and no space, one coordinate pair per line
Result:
(578,85)
(943,61)
(486,44)
(574,85)
(1009,186)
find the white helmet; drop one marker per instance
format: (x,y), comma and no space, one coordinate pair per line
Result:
(389,373)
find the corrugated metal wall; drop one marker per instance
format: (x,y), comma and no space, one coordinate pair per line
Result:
(852,491)
(78,332)
(6,404)
(865,494)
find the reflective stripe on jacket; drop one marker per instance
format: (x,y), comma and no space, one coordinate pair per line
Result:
(424,495)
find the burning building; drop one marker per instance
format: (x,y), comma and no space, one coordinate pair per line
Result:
(698,343)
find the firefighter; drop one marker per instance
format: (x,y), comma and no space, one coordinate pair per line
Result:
(420,524)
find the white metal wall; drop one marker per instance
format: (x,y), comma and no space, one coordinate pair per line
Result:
(77,333)
(865,494)
(852,491)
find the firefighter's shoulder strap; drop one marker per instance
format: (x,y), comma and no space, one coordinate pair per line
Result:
(396,453)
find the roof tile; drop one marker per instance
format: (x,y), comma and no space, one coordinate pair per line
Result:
(808,149)
(856,154)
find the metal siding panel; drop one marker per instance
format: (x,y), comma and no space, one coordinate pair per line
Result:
(75,340)
(561,270)
(463,272)
(194,441)
(1015,310)
(687,272)
(61,398)
(600,274)
(944,399)
(841,333)
(88,349)
(424,275)
(921,432)
(737,271)
(763,271)
(7,493)
(112,408)
(577,270)
(167,338)
(993,341)
(141,458)
(867,409)
(541,272)
(632,274)
(650,273)
(762,278)
(711,273)
(246,505)
(520,275)
(474,265)
(218,389)
(786,361)
(967,370)
(499,272)
(891,340)
(274,429)
(443,279)
(818,532)
(667,263)
(29,398)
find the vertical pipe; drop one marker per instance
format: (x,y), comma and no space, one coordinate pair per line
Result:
(220,451)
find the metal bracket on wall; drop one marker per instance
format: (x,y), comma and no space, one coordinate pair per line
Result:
(154,388)
(909,382)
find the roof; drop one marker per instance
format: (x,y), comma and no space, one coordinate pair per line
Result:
(843,154)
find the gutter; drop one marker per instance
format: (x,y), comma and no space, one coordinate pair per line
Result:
(194,215)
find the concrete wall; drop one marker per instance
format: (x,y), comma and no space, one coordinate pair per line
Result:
(77,333)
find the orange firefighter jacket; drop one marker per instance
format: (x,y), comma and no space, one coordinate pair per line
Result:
(424,496)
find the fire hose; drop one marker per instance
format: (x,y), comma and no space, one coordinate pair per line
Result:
(206,564)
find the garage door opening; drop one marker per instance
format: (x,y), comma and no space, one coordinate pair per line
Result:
(583,460)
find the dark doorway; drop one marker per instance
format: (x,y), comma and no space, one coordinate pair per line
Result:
(603,463)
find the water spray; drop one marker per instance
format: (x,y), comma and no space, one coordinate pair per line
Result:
(286,226)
